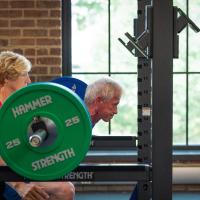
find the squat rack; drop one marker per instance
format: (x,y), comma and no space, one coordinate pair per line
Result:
(155,81)
(155,43)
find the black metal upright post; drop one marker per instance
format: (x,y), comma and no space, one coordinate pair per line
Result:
(66,38)
(162,90)
(144,92)
(144,102)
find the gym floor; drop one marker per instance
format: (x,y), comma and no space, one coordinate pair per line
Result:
(126,196)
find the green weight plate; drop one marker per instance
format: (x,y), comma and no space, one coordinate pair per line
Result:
(68,125)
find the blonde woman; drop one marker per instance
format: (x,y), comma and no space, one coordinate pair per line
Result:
(14,74)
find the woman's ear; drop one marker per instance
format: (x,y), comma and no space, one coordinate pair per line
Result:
(6,81)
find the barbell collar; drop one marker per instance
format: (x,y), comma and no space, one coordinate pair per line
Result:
(37,138)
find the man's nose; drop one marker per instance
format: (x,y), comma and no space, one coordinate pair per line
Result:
(115,111)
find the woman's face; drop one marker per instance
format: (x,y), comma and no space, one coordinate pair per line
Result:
(21,81)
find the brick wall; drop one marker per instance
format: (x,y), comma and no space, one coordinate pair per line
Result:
(33,28)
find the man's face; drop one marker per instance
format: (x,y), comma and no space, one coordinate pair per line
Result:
(108,108)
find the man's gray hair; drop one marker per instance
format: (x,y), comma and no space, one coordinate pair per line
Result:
(106,88)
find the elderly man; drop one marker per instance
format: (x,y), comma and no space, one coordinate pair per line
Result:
(102,98)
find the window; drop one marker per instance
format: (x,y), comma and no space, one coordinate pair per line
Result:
(186,108)
(96,51)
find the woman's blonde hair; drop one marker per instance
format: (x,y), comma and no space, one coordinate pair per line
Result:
(12,65)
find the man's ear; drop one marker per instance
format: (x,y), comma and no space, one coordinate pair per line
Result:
(98,99)
(92,110)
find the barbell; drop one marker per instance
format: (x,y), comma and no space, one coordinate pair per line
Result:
(45,131)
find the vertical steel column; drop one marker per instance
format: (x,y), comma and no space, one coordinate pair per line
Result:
(66,38)
(144,93)
(144,103)
(162,90)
